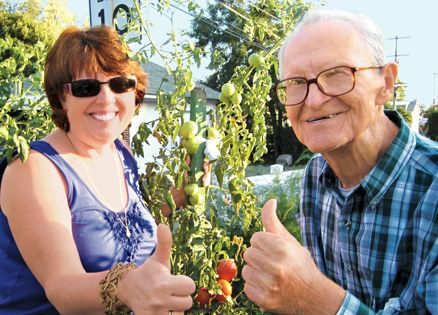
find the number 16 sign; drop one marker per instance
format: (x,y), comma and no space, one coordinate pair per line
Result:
(109,11)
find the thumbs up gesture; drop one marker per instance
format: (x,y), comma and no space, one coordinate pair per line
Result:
(280,274)
(151,288)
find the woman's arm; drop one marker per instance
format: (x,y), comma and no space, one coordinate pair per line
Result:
(33,198)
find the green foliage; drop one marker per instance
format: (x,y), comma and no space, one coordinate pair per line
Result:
(407,116)
(27,29)
(24,111)
(205,233)
(231,32)
(400,96)
(432,122)
(287,193)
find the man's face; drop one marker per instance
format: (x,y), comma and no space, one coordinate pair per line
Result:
(324,123)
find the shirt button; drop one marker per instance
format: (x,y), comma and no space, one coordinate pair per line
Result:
(347,224)
(350,270)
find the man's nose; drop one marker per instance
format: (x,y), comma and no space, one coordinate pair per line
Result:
(315,97)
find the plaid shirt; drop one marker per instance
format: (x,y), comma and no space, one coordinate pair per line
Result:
(380,243)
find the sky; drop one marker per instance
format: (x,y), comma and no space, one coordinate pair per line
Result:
(414,20)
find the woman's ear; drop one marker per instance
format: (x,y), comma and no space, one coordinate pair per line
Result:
(390,71)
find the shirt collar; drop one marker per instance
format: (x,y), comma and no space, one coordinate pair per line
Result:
(389,166)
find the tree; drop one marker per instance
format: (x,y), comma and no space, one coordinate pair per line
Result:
(432,123)
(231,32)
(400,96)
(26,32)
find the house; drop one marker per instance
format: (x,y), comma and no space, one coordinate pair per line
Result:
(156,74)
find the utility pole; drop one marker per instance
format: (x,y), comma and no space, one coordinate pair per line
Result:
(396,55)
(434,87)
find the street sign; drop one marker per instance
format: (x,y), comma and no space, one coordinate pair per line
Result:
(115,13)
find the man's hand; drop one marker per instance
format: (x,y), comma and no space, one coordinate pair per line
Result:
(151,288)
(280,274)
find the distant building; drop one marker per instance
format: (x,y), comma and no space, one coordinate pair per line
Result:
(414,108)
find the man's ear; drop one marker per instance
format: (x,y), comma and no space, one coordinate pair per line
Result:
(390,71)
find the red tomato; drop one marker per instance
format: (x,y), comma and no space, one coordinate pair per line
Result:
(203,297)
(226,269)
(226,288)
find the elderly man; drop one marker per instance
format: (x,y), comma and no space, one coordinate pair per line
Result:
(368,212)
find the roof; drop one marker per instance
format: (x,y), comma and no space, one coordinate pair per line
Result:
(156,73)
(411,106)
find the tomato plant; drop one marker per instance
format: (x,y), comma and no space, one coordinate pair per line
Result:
(189,129)
(208,242)
(256,60)
(226,269)
(203,297)
(191,189)
(228,89)
(226,289)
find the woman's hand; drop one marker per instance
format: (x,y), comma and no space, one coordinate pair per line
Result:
(151,288)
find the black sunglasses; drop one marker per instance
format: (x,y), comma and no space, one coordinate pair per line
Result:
(91,87)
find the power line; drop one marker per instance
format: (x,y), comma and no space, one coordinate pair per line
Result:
(217,25)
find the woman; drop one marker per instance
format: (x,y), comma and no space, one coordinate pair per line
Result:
(75,236)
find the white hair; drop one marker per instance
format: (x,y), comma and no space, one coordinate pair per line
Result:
(367,28)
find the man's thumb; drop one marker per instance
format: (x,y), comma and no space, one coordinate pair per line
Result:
(270,221)
(164,245)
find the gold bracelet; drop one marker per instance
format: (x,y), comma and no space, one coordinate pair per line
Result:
(108,286)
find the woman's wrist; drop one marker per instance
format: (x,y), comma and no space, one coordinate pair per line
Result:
(108,289)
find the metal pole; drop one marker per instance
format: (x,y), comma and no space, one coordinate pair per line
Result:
(198,113)
(396,54)
(434,87)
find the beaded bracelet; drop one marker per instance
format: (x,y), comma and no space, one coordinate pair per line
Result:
(108,289)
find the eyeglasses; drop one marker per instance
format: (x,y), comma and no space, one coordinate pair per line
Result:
(331,82)
(91,87)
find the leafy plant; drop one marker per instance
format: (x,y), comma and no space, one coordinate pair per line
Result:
(222,226)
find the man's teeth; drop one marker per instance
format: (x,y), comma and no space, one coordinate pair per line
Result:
(106,116)
(321,118)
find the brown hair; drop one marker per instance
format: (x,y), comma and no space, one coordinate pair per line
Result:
(90,50)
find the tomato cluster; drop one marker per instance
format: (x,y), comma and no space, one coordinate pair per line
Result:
(226,271)
(229,94)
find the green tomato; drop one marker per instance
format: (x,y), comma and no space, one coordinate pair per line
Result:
(228,89)
(197,199)
(189,129)
(191,189)
(255,60)
(191,86)
(222,98)
(236,99)
(212,133)
(191,144)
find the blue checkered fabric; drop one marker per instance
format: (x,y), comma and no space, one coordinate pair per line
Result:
(380,241)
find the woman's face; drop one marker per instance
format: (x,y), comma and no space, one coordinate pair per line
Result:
(99,119)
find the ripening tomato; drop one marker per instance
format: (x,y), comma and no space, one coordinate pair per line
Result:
(188,129)
(213,133)
(197,199)
(191,189)
(228,89)
(255,60)
(203,297)
(236,99)
(191,144)
(226,288)
(226,269)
